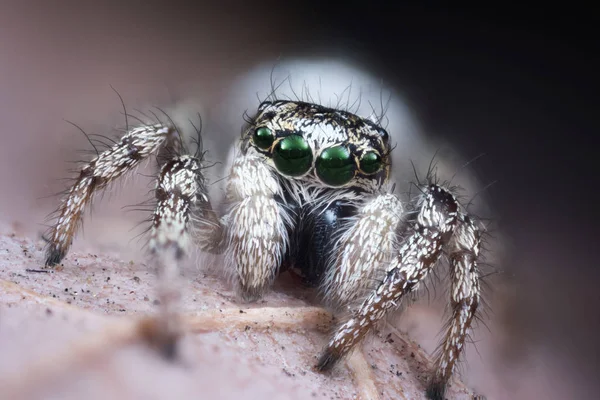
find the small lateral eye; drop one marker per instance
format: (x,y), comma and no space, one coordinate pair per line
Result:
(263,138)
(335,166)
(292,156)
(370,162)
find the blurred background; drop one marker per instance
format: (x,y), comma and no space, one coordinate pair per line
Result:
(515,85)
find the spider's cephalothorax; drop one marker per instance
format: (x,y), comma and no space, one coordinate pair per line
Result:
(324,161)
(322,147)
(308,189)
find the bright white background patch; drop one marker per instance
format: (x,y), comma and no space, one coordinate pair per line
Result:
(331,82)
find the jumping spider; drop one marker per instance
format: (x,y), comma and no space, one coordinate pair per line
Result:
(309,190)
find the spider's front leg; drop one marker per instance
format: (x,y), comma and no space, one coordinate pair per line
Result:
(108,166)
(180,191)
(254,232)
(437,221)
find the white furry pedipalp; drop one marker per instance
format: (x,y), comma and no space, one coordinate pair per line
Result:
(257,226)
(368,242)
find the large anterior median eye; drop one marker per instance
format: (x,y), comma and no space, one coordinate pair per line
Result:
(335,166)
(263,138)
(292,156)
(370,162)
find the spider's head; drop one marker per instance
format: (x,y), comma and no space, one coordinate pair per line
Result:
(321,146)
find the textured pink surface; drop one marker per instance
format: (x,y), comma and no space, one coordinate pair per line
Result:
(101,288)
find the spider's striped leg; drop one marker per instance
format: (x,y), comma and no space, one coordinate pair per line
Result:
(135,146)
(366,243)
(257,226)
(464,251)
(179,190)
(419,253)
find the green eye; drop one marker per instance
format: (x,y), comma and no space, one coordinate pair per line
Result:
(263,138)
(335,166)
(370,162)
(292,156)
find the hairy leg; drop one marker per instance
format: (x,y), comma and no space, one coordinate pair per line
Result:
(122,157)
(465,296)
(417,256)
(367,242)
(179,190)
(257,226)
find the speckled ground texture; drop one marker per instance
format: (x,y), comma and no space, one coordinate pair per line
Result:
(58,340)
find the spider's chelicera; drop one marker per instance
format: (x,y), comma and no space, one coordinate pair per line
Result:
(309,190)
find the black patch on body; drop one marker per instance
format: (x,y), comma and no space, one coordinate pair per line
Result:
(313,238)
